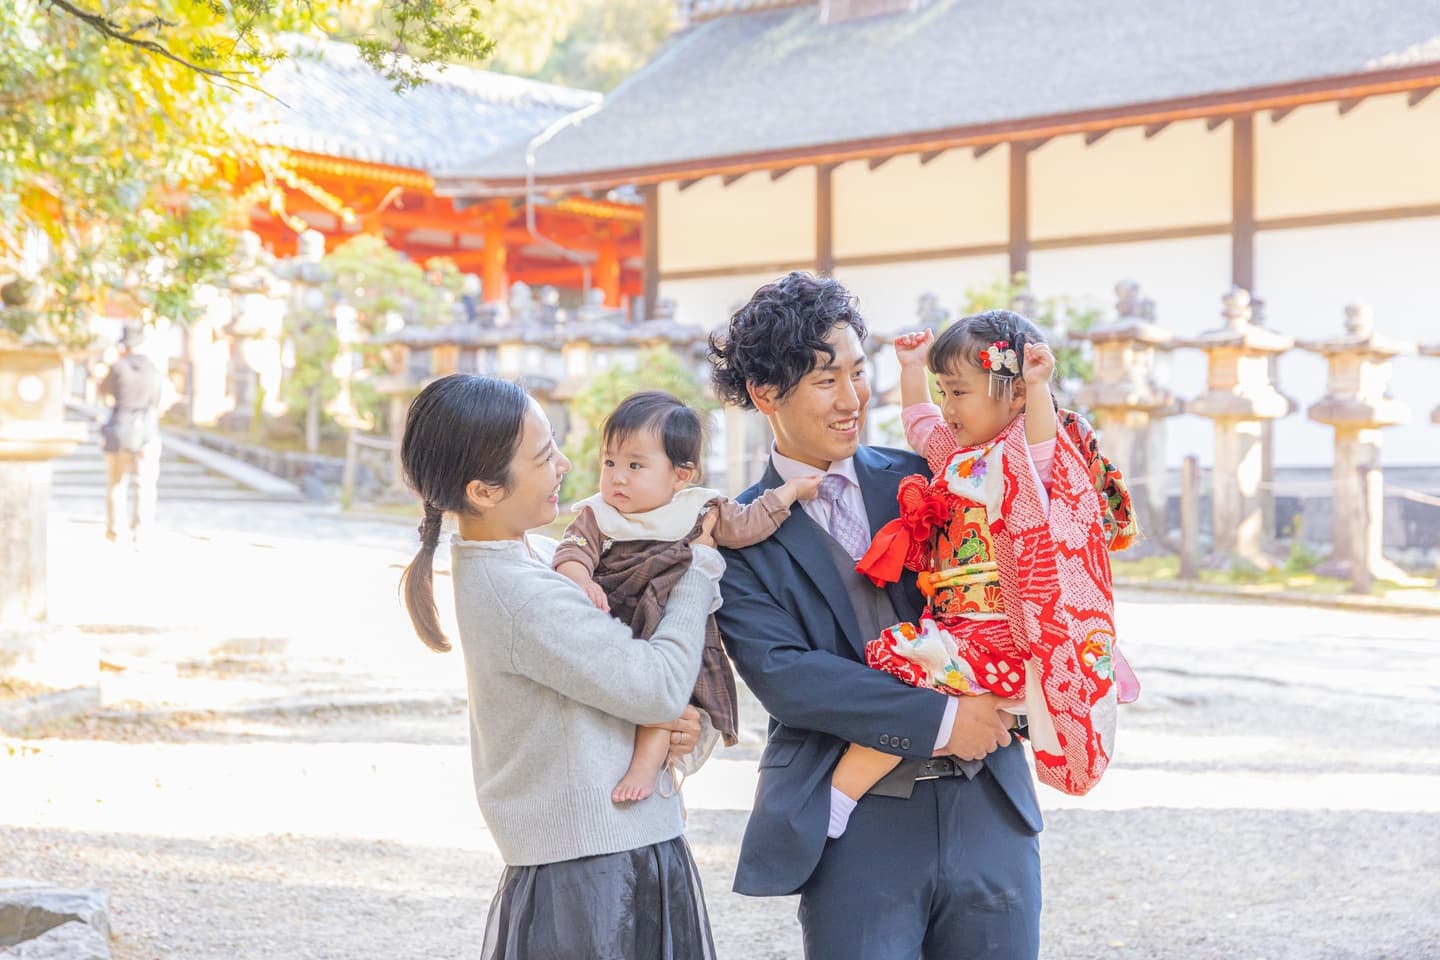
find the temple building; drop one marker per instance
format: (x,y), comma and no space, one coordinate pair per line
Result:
(909,148)
(342,153)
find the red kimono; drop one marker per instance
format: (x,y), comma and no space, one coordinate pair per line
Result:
(1019,597)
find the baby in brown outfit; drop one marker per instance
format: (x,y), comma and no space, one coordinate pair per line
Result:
(630,544)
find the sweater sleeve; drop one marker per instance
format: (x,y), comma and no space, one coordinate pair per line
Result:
(561,641)
(741,525)
(920,421)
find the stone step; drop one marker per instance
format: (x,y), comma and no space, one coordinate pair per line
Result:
(183,481)
(216,495)
(79,468)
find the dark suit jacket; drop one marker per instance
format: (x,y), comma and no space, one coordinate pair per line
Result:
(790,629)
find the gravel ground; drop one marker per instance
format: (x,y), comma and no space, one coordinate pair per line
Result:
(294,795)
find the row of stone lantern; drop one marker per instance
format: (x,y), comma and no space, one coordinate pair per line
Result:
(1130,405)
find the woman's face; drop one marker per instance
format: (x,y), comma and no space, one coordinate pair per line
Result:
(536,470)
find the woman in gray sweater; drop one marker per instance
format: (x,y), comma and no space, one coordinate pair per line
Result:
(556,689)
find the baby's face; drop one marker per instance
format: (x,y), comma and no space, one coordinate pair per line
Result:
(636,476)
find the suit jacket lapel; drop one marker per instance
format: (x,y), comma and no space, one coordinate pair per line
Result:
(804,540)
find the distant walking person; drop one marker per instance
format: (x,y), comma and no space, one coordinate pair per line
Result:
(131,437)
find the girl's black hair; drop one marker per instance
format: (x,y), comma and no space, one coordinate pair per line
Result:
(962,341)
(773,340)
(679,428)
(460,428)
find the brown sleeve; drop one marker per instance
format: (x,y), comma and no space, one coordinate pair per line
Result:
(740,525)
(581,543)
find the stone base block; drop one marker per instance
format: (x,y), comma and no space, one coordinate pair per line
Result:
(48,656)
(39,922)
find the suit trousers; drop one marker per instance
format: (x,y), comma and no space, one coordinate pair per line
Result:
(952,873)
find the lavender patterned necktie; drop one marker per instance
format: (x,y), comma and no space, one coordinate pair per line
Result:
(847,529)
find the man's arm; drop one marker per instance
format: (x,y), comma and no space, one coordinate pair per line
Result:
(815,689)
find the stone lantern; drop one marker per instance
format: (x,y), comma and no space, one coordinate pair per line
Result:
(33,432)
(1357,405)
(1129,401)
(1239,398)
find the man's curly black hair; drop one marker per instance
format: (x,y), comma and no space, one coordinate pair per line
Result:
(774,340)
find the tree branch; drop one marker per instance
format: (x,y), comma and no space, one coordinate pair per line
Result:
(111,30)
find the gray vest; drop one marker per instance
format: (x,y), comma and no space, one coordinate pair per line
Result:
(874,612)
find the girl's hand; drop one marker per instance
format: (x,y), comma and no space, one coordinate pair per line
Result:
(911,349)
(1039,364)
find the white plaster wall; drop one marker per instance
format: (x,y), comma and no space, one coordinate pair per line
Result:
(1186,279)
(710,301)
(889,296)
(755,220)
(1384,153)
(1308,276)
(954,200)
(1179,177)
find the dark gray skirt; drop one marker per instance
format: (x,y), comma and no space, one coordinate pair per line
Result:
(643,904)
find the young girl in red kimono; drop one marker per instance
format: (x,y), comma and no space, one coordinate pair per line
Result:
(1010,538)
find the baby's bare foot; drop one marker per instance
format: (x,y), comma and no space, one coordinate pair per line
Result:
(635,785)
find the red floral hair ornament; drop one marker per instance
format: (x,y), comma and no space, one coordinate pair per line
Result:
(1004,365)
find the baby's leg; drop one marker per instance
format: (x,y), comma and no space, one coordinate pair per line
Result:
(859,769)
(652,746)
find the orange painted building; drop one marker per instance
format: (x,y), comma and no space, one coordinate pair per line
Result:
(342,153)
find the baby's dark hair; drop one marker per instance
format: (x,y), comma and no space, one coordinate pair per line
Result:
(773,340)
(962,341)
(680,429)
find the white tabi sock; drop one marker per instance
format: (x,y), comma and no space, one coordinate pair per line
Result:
(841,807)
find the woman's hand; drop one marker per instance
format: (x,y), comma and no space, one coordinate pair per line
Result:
(912,349)
(684,733)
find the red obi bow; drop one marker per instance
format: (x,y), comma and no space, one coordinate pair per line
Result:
(905,541)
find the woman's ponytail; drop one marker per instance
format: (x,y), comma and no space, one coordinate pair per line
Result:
(418,583)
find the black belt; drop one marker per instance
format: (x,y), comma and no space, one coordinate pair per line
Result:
(937,767)
(901,781)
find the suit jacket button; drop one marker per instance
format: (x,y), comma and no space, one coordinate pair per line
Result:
(884,739)
(905,744)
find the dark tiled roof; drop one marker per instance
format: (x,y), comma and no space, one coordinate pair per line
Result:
(778,79)
(328,101)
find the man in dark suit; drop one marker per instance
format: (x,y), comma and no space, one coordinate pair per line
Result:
(941,859)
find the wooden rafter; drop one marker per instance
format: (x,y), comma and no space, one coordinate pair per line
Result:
(930,155)
(1154,128)
(726,181)
(1215,123)
(875,163)
(1095,136)
(983,149)
(1280,114)
(1345,106)
(1417,95)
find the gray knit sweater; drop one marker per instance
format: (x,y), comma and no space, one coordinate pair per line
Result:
(556,688)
